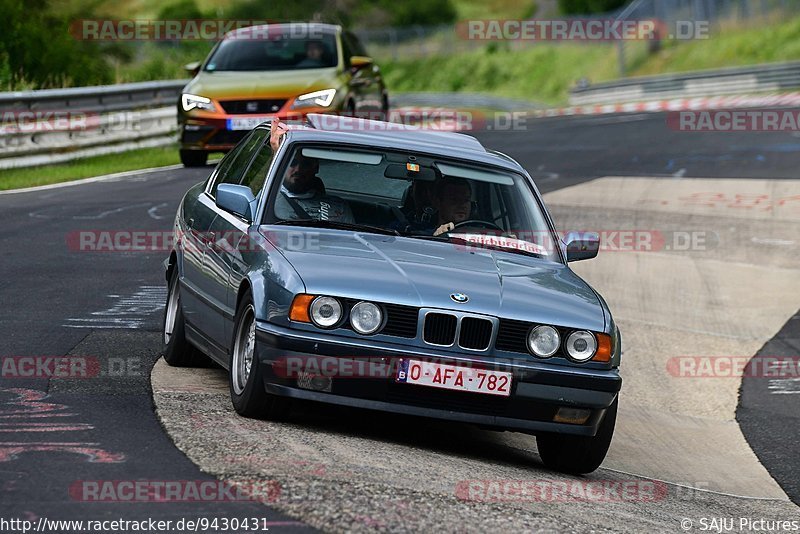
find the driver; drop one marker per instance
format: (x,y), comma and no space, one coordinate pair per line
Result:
(315,51)
(453,200)
(302,194)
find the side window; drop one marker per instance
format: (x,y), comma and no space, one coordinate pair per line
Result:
(358,48)
(257,173)
(347,50)
(254,142)
(224,167)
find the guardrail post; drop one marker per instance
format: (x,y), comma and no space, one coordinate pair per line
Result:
(420,40)
(744,11)
(393,42)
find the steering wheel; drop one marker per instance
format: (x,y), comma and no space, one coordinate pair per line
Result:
(476,222)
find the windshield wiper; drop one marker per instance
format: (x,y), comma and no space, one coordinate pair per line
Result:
(339,225)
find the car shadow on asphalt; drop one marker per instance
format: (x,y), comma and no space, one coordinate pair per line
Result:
(467,441)
(451,438)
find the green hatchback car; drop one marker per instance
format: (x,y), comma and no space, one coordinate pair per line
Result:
(258,73)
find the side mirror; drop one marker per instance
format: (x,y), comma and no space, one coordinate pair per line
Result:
(192,68)
(359,62)
(237,199)
(582,245)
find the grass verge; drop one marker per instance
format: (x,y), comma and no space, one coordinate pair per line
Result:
(545,72)
(88,167)
(542,73)
(729,46)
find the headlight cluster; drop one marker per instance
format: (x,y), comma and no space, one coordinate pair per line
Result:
(190,102)
(321,99)
(366,318)
(327,312)
(581,345)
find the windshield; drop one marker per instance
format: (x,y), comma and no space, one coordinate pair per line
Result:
(412,196)
(281,52)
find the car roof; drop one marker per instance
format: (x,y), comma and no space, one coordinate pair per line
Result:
(282,27)
(356,131)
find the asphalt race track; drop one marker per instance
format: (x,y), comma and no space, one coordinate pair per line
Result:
(706,450)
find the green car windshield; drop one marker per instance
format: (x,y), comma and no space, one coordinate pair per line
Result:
(281,52)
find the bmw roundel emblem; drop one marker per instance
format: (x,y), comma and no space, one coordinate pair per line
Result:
(461,298)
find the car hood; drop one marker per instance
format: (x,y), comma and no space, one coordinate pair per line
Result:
(267,84)
(421,273)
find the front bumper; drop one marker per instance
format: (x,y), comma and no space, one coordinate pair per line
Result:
(210,131)
(538,390)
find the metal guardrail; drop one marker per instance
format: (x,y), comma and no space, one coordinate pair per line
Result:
(126,116)
(97,98)
(732,81)
(53,125)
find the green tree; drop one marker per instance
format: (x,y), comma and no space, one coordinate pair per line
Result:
(38,50)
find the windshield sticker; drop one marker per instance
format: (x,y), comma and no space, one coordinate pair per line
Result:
(502,242)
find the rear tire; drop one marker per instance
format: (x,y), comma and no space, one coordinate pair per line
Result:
(193,158)
(178,352)
(577,455)
(246,376)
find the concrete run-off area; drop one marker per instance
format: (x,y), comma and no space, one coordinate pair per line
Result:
(718,277)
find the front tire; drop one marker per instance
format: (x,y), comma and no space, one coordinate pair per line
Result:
(193,158)
(246,377)
(577,455)
(178,352)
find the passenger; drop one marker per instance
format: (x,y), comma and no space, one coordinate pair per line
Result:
(302,195)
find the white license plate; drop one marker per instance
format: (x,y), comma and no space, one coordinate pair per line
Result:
(247,123)
(444,376)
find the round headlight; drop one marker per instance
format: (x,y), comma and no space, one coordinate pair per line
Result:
(543,341)
(366,318)
(581,346)
(325,311)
